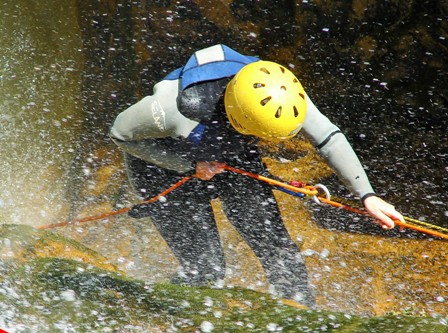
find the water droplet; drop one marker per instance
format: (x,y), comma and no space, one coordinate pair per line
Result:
(68,295)
(324,254)
(207,326)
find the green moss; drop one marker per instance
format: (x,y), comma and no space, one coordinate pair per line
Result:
(52,294)
(399,323)
(25,242)
(18,232)
(48,291)
(56,290)
(31,239)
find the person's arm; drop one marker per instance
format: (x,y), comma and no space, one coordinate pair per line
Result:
(334,147)
(138,129)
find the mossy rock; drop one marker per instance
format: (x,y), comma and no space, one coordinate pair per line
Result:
(47,294)
(21,243)
(41,293)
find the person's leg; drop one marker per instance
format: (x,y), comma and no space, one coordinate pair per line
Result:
(251,207)
(186,222)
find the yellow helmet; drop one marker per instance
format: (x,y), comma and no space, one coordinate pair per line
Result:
(265,99)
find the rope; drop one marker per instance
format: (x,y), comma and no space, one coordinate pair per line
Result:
(116,212)
(426,224)
(397,222)
(295,188)
(312,191)
(406,218)
(307,190)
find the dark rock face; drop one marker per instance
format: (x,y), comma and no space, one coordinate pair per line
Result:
(399,43)
(376,68)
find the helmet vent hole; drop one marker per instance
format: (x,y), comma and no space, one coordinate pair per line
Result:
(259,85)
(279,112)
(283,88)
(282,69)
(296,112)
(263,69)
(295,80)
(265,101)
(302,95)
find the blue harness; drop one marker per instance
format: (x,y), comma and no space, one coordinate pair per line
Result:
(213,63)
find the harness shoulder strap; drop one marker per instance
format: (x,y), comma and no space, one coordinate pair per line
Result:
(212,63)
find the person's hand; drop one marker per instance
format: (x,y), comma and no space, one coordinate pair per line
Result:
(206,170)
(384,212)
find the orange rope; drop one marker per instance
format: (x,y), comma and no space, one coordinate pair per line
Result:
(311,190)
(116,212)
(397,222)
(308,190)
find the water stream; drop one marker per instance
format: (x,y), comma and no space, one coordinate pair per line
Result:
(40,111)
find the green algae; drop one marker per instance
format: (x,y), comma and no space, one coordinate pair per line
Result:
(22,243)
(53,290)
(55,294)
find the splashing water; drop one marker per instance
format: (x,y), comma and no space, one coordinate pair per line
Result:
(41,60)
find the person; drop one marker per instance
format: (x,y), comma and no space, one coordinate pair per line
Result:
(211,111)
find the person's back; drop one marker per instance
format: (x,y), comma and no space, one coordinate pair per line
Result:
(212,112)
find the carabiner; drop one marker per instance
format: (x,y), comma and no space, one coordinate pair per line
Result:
(326,191)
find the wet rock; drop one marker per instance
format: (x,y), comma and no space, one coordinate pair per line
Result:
(53,291)
(21,244)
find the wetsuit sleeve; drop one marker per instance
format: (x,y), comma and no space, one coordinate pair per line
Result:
(336,151)
(139,129)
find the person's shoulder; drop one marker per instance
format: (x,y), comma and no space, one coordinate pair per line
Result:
(165,97)
(167,87)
